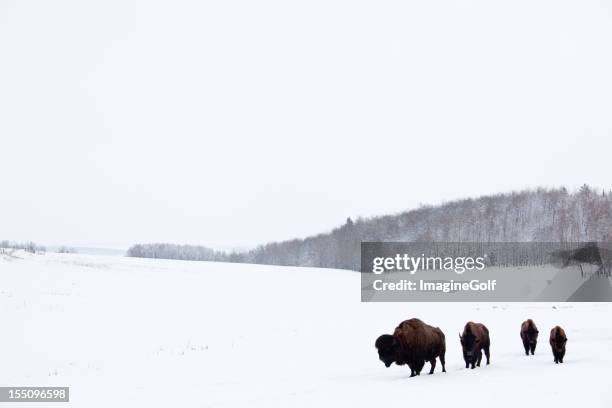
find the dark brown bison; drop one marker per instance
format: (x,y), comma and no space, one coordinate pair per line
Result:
(529,335)
(413,343)
(474,339)
(557,343)
(592,253)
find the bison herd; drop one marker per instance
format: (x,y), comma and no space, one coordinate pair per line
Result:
(414,342)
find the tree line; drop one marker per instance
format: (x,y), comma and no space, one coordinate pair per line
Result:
(173,251)
(540,215)
(26,246)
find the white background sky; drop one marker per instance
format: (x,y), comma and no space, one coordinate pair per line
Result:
(237,122)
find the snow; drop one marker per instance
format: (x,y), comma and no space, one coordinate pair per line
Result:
(126,332)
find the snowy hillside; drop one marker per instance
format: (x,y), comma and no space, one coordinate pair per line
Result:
(128,332)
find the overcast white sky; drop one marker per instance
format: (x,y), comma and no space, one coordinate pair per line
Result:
(230,123)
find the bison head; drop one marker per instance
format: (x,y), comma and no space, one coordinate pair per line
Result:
(469,343)
(387,346)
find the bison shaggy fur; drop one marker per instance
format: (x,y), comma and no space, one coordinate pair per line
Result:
(413,343)
(474,340)
(529,335)
(557,343)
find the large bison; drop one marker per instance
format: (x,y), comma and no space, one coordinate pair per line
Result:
(557,343)
(592,253)
(474,339)
(413,343)
(529,335)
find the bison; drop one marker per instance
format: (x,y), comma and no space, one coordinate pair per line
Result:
(413,343)
(592,253)
(557,343)
(529,335)
(474,339)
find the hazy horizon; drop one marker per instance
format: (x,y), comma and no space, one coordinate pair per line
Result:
(228,248)
(238,123)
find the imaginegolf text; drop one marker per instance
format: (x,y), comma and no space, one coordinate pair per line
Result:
(421,285)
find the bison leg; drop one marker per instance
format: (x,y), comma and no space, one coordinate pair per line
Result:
(433,366)
(412,370)
(479,358)
(443,363)
(561,355)
(526,345)
(487,354)
(533,346)
(419,367)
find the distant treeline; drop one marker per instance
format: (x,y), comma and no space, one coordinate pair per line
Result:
(172,251)
(541,215)
(26,246)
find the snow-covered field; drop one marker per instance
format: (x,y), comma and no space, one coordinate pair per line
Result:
(125,332)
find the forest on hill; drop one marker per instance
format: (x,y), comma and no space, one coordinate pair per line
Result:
(540,215)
